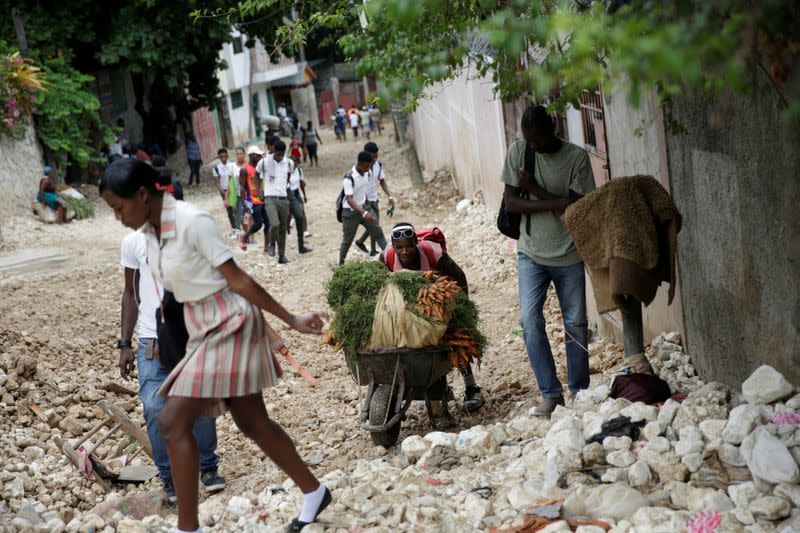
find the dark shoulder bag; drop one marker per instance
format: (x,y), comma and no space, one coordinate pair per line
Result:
(509,223)
(171,331)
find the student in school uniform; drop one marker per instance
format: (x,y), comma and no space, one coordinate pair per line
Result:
(230,355)
(222,172)
(354,206)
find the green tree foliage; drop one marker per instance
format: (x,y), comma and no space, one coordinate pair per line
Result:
(68,113)
(538,46)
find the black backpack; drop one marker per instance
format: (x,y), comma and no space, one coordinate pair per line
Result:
(509,223)
(171,331)
(340,198)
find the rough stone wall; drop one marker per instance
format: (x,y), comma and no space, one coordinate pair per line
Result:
(736,179)
(20,170)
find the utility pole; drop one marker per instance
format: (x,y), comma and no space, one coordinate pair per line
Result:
(19,28)
(302,51)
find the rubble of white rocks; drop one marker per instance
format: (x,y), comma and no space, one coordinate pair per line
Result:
(712,452)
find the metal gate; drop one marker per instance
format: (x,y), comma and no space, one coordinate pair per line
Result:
(594,134)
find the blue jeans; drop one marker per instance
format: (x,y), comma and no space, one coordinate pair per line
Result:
(151,376)
(570,284)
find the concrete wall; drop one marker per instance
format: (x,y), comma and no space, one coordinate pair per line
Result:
(735,178)
(21,166)
(462,128)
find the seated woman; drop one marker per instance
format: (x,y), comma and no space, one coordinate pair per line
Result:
(407,252)
(48,196)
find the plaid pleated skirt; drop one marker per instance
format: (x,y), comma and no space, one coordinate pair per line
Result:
(230,353)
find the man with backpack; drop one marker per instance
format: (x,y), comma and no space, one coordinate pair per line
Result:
(351,206)
(378,176)
(423,250)
(141,298)
(553,173)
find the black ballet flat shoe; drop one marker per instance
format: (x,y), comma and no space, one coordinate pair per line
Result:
(297,525)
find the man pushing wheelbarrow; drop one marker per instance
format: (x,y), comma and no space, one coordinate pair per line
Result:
(403,331)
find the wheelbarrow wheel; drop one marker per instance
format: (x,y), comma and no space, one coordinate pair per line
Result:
(382,400)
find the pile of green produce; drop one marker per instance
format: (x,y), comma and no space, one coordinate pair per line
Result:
(352,294)
(83,207)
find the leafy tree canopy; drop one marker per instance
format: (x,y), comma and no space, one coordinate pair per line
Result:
(536,46)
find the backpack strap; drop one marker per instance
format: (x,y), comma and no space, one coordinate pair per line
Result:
(388,257)
(429,254)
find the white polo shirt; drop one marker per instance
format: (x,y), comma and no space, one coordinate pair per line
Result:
(191,249)
(148,291)
(377,176)
(295,179)
(357,188)
(224,171)
(275,175)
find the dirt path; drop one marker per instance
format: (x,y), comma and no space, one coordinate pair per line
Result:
(64,312)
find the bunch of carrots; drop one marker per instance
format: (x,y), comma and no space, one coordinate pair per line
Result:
(330,340)
(463,348)
(433,301)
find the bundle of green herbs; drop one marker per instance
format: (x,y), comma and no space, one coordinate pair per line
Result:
(83,207)
(352,293)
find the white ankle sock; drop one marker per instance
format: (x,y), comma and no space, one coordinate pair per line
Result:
(311,503)
(198,530)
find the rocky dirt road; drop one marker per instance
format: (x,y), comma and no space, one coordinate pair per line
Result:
(60,289)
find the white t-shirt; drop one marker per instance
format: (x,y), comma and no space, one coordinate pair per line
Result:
(148,292)
(224,171)
(295,179)
(191,250)
(275,175)
(377,175)
(354,120)
(357,188)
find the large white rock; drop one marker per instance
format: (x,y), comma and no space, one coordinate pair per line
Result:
(659,519)
(640,411)
(557,527)
(592,424)
(712,429)
(127,525)
(731,455)
(639,474)
(765,385)
(667,413)
(477,441)
(789,492)
(621,458)
(686,446)
(770,507)
(566,433)
(463,206)
(440,438)
(590,529)
(743,493)
(414,447)
(604,501)
(768,458)
(613,444)
(652,430)
(238,506)
(693,461)
(741,422)
(658,445)
(519,497)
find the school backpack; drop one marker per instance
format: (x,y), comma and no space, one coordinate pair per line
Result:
(340,198)
(424,235)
